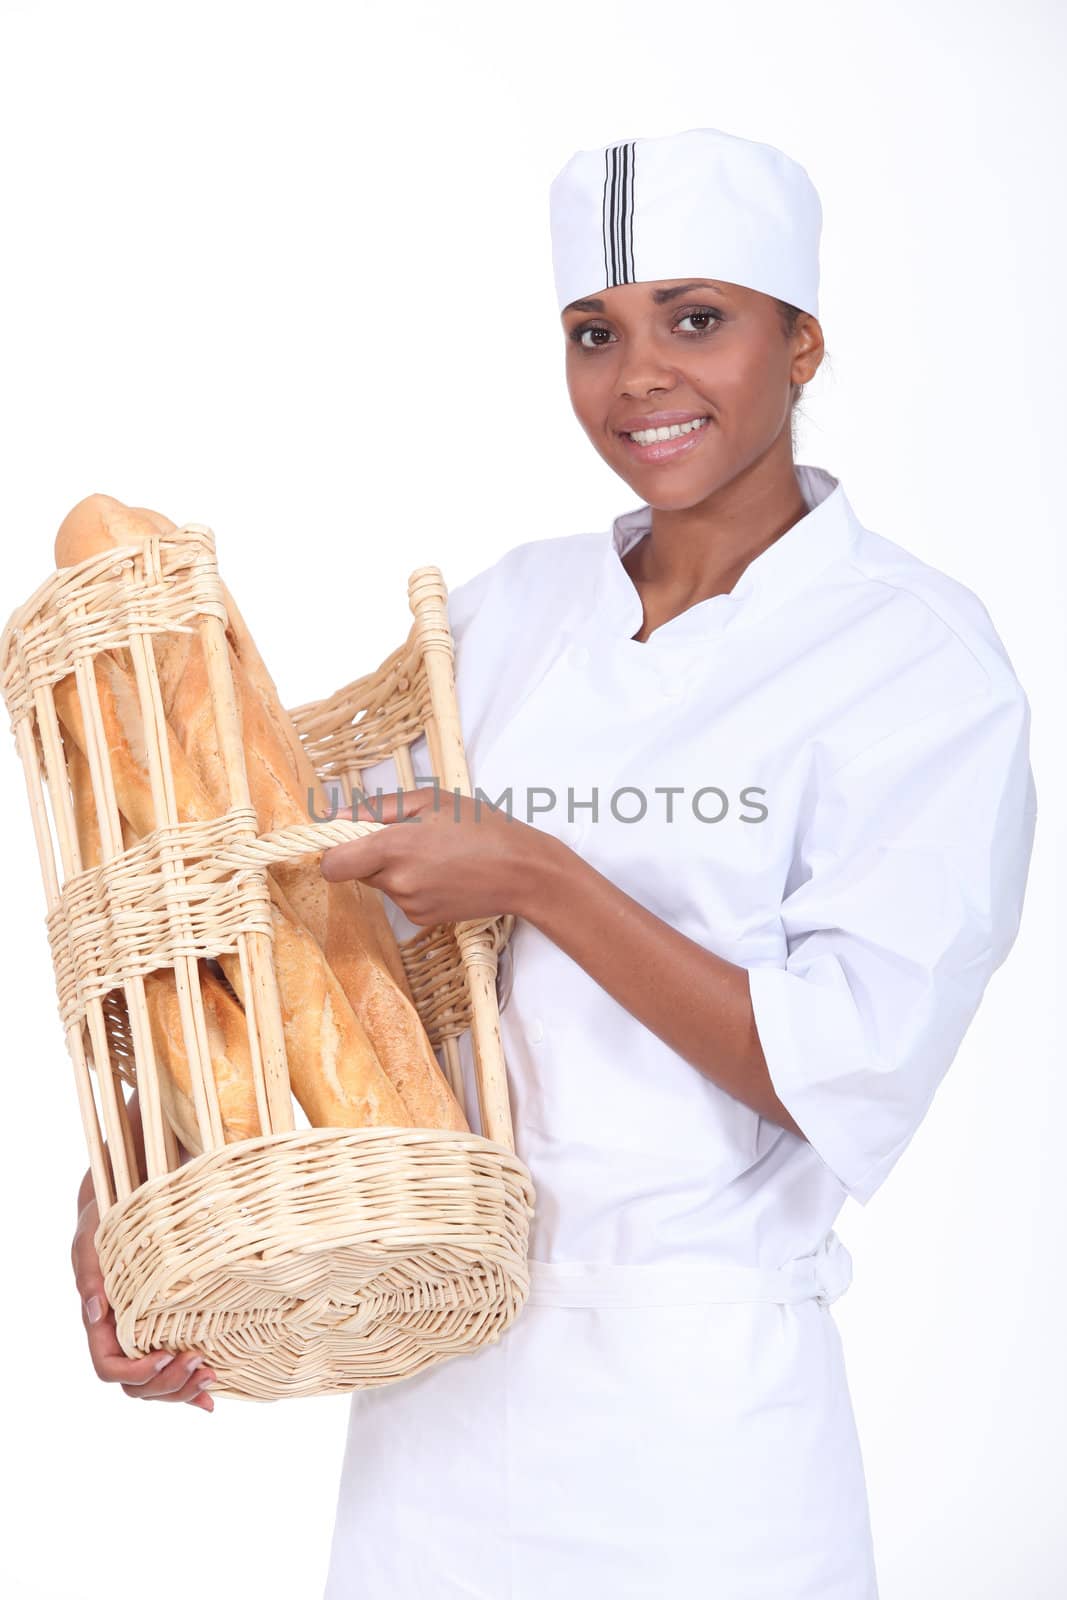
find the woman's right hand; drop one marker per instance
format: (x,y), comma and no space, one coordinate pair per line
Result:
(143,1378)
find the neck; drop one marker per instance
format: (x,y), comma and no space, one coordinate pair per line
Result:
(702,550)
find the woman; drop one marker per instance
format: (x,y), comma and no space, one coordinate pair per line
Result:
(721,1024)
(762,805)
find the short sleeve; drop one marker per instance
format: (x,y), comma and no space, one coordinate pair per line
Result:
(909,886)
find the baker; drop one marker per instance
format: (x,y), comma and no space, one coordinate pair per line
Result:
(714,1033)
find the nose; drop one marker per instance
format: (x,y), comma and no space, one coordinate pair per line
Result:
(643,372)
(643,385)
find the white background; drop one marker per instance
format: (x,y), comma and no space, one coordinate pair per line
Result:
(286,270)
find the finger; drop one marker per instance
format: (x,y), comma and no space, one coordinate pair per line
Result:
(194,1388)
(390,805)
(107,1355)
(158,1374)
(356,858)
(113,1365)
(180,1380)
(368,808)
(413,802)
(95,1306)
(87,1274)
(173,1380)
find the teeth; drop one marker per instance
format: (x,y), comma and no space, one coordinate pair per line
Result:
(651,435)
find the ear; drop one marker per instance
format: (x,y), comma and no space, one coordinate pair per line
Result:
(808,348)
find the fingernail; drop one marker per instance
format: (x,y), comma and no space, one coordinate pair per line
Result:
(207,1383)
(197,1361)
(164,1361)
(94,1309)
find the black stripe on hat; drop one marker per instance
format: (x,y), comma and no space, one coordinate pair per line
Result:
(618,213)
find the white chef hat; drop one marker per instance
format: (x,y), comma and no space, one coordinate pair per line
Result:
(700,204)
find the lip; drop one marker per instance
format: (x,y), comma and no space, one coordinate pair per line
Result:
(665,449)
(655,419)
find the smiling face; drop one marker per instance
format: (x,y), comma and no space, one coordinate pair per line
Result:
(683,348)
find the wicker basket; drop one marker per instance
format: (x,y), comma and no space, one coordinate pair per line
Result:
(301,1261)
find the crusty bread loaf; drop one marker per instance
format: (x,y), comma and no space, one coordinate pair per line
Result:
(227,1034)
(228,1048)
(100,522)
(282,782)
(373,920)
(389,1018)
(334,1071)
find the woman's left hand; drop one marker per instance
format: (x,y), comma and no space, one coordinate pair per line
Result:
(442,857)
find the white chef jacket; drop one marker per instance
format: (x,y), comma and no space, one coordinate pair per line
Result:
(852,821)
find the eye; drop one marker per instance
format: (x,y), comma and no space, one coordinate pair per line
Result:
(699,313)
(705,312)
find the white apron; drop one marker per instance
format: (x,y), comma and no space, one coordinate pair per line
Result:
(639,1433)
(669,1414)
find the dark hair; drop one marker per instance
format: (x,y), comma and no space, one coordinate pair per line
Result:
(788,315)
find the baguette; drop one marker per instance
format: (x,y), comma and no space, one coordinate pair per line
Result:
(281,780)
(100,522)
(334,1072)
(390,1019)
(227,1035)
(370,902)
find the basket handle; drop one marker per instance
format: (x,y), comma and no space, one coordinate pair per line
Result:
(305,838)
(311,837)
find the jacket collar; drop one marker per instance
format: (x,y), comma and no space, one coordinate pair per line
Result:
(787,566)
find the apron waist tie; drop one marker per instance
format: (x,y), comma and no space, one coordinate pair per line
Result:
(823,1275)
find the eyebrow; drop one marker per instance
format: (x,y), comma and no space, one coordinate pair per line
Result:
(659,296)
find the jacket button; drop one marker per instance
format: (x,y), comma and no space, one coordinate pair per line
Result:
(535,1033)
(578,655)
(671,689)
